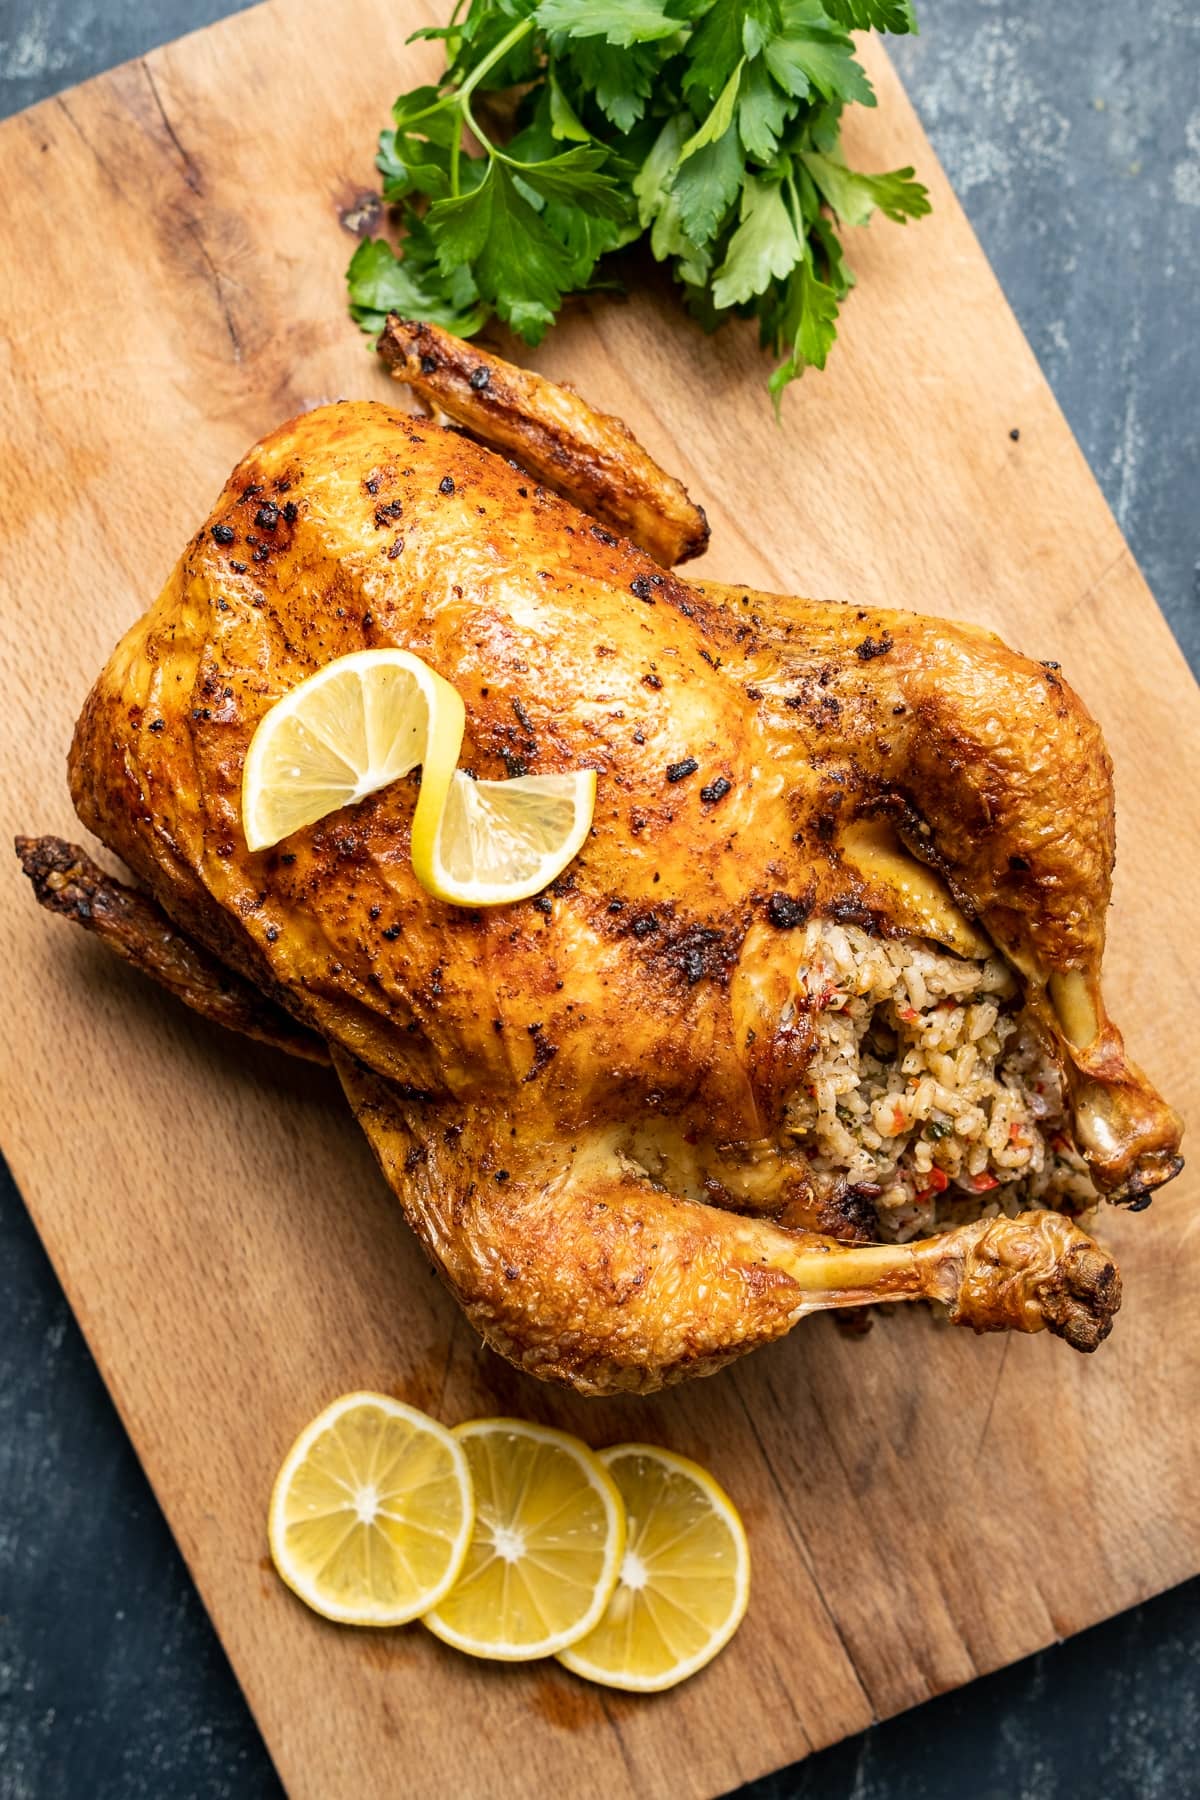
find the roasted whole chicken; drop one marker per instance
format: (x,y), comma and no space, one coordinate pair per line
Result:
(815,1018)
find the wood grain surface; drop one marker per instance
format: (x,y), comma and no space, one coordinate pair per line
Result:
(922,1506)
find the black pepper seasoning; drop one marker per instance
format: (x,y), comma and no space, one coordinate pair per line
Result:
(716,790)
(871,647)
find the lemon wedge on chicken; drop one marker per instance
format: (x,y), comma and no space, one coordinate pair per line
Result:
(363,722)
(355,726)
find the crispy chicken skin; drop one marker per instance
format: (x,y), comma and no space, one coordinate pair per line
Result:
(590,457)
(67,882)
(510,1065)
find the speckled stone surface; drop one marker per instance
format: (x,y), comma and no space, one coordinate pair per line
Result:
(1072,135)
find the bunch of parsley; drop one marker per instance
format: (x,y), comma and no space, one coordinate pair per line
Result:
(566,129)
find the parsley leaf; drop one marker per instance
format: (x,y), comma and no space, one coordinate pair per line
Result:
(706,184)
(427,109)
(854,197)
(564,122)
(827,253)
(810,52)
(896,16)
(578,177)
(760,22)
(562,130)
(719,119)
(621,81)
(765,247)
(809,320)
(381,283)
(652,183)
(762,112)
(658,206)
(620,22)
(485,228)
(410,166)
(714,50)
(586,239)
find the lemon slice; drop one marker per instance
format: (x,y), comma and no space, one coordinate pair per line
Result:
(499,841)
(685,1576)
(549,1537)
(359,723)
(372,1512)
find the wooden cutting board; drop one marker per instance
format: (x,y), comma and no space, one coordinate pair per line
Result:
(922,1506)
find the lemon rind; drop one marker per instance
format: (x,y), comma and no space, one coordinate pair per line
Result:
(571,1659)
(428,868)
(445,712)
(305,1590)
(602,1481)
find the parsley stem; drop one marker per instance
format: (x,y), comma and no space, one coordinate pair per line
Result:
(799,223)
(495,55)
(481,137)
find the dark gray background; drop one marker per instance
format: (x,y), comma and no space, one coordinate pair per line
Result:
(1072,135)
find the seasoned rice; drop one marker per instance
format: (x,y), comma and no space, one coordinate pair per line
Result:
(927,1086)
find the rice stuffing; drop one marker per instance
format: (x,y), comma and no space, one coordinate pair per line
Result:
(927,1089)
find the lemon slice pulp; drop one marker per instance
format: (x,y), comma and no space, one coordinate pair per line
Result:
(685,1576)
(548,1541)
(362,721)
(499,841)
(372,1511)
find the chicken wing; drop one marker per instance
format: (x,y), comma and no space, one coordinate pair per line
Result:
(67,882)
(589,457)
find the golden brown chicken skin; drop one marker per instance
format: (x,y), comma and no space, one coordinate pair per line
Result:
(68,883)
(589,457)
(506,1063)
